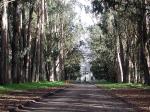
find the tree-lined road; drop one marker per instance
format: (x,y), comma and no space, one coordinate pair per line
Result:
(79,98)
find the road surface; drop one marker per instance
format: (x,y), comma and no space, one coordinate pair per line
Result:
(79,98)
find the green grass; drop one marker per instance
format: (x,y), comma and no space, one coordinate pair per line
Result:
(109,85)
(28,86)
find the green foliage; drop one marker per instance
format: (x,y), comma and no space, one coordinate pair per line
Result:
(28,86)
(72,64)
(103,46)
(72,71)
(59,13)
(99,70)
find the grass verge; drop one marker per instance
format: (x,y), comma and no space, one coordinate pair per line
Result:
(109,85)
(28,86)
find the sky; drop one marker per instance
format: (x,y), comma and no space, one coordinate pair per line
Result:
(86,19)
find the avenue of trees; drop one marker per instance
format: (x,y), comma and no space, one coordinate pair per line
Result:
(37,41)
(36,37)
(121,40)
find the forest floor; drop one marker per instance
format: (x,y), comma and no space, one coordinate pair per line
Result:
(136,95)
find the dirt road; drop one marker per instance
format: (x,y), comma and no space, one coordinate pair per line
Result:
(79,98)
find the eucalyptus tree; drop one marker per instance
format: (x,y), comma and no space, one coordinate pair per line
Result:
(58,38)
(34,37)
(130,32)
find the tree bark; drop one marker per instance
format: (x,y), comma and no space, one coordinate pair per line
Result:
(42,38)
(4,45)
(15,43)
(120,57)
(28,67)
(142,39)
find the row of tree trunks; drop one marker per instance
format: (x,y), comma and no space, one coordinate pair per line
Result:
(25,66)
(139,61)
(27,39)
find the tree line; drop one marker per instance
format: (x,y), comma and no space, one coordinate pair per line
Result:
(122,40)
(35,39)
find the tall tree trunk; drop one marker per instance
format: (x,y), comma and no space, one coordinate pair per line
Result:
(33,60)
(4,45)
(38,43)
(23,41)
(126,66)
(42,38)
(120,57)
(61,56)
(122,60)
(142,39)
(15,43)
(27,59)
(1,77)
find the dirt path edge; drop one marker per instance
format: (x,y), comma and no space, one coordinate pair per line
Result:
(14,109)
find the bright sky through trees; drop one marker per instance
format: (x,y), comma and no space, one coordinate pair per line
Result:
(84,17)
